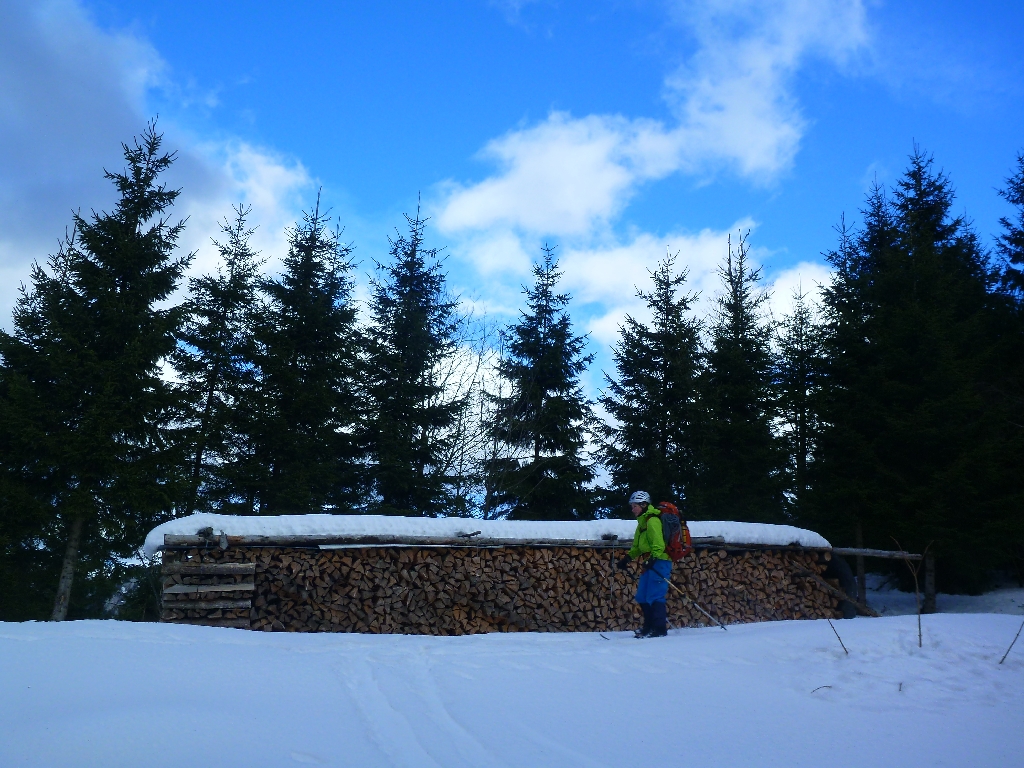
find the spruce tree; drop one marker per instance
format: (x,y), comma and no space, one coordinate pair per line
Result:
(303,419)
(740,476)
(1010,243)
(28,572)
(541,471)
(215,361)
(411,413)
(911,448)
(83,371)
(653,397)
(798,372)
(1007,371)
(840,477)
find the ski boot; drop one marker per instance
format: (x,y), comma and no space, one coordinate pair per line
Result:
(645,630)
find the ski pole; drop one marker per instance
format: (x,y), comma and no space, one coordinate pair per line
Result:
(690,600)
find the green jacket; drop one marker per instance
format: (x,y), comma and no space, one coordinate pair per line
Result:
(648,539)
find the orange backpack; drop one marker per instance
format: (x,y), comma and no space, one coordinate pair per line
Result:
(675,531)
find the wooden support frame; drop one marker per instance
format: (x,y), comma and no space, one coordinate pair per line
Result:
(206,605)
(230,623)
(928,606)
(200,589)
(208,569)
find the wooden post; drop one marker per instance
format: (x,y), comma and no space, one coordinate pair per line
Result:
(929,583)
(862,594)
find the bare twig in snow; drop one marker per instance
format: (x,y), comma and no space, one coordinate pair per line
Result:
(1012,644)
(914,570)
(837,635)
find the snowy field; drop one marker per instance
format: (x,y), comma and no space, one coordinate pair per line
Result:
(891,602)
(105,693)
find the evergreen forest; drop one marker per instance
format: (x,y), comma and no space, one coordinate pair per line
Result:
(887,405)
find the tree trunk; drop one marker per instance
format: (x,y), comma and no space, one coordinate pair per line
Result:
(862,593)
(929,583)
(67,571)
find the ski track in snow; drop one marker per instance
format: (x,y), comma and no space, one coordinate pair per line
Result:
(384,688)
(777,693)
(386,726)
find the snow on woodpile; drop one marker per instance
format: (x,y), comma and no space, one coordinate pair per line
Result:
(413,528)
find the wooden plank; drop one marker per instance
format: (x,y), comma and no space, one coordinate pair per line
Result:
(232,623)
(886,553)
(198,589)
(731,547)
(206,605)
(209,569)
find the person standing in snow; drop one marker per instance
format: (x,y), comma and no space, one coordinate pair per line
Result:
(656,566)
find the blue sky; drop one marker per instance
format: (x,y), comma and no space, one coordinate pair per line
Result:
(612,129)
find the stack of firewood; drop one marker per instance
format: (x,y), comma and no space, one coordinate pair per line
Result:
(204,590)
(454,591)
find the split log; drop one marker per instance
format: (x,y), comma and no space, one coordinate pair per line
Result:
(471,589)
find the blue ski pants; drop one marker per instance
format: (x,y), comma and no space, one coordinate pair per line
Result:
(653,585)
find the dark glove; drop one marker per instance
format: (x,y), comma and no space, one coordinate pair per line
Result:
(623,564)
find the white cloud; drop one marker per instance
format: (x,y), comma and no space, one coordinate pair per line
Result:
(496,251)
(735,110)
(807,277)
(563,176)
(603,274)
(232,173)
(734,98)
(603,278)
(70,94)
(607,277)
(570,178)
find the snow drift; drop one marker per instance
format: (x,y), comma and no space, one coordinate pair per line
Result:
(412,528)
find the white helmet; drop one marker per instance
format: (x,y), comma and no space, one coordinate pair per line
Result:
(640,497)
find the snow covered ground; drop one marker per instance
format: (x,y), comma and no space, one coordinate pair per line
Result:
(775,694)
(891,602)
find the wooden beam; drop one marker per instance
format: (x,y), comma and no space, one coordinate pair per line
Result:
(209,569)
(887,553)
(206,605)
(199,589)
(863,610)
